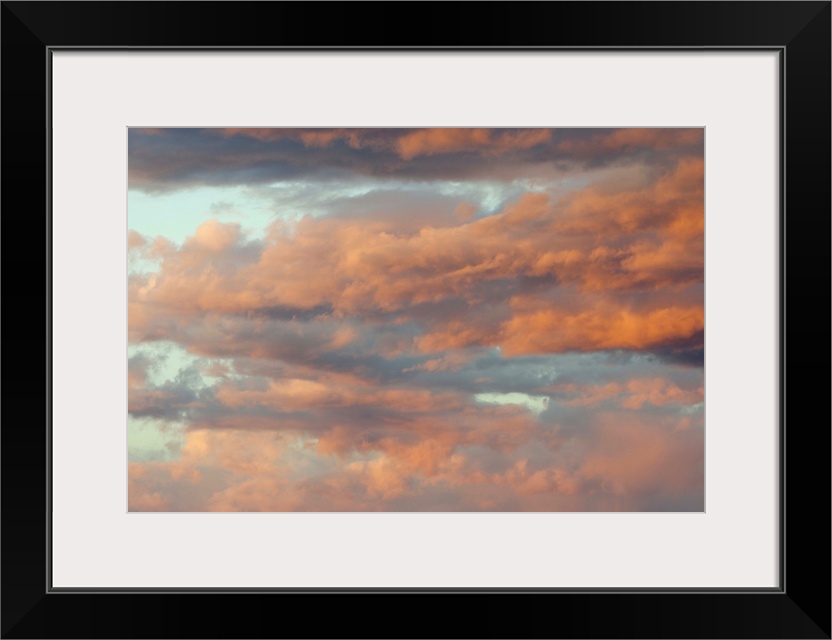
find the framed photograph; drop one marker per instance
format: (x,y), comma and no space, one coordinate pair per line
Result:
(493,306)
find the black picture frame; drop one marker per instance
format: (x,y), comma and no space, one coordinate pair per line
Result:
(798,608)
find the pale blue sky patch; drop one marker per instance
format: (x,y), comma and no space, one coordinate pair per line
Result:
(169,359)
(535,404)
(177,214)
(149,439)
(693,409)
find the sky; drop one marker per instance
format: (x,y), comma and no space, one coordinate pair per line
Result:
(416,320)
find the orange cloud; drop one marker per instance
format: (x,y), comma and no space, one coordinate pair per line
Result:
(634,459)
(407,143)
(601,328)
(352,267)
(434,141)
(297,394)
(135,240)
(475,463)
(630,394)
(592,240)
(355,138)
(621,139)
(338,362)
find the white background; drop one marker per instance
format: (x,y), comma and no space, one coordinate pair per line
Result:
(97,95)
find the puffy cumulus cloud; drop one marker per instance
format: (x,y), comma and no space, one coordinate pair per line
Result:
(615,464)
(484,271)
(135,240)
(337,443)
(603,328)
(540,353)
(641,463)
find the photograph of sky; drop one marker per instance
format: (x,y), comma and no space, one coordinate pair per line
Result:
(416,319)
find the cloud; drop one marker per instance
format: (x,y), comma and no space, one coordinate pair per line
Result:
(533,250)
(135,240)
(602,328)
(435,319)
(641,462)
(624,465)
(435,141)
(335,442)
(605,141)
(406,143)
(634,393)
(164,159)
